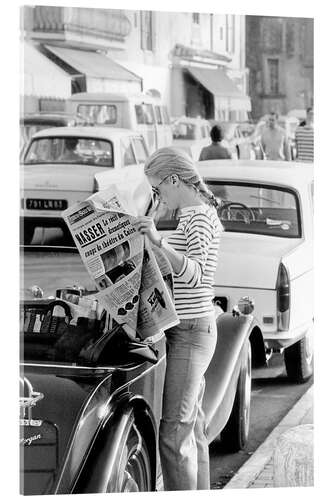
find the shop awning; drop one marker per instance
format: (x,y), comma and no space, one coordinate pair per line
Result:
(217,82)
(102,72)
(41,77)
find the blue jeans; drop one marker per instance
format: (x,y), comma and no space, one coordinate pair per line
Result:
(182,437)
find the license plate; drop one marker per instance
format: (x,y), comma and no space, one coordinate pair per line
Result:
(45,204)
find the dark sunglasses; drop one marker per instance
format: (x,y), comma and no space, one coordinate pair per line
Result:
(155,189)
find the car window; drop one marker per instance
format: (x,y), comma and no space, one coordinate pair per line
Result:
(140,117)
(101,114)
(148,113)
(70,150)
(127,152)
(141,152)
(248,208)
(158,115)
(166,117)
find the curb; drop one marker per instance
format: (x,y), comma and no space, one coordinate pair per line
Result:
(248,473)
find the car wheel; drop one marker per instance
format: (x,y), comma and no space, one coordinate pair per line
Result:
(235,434)
(298,359)
(134,472)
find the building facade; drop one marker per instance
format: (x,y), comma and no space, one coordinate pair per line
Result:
(194,61)
(279,55)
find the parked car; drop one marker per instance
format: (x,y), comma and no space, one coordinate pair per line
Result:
(89,419)
(31,123)
(236,141)
(54,177)
(143,113)
(287,123)
(191,135)
(266,209)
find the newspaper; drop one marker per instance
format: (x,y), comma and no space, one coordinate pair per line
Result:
(134,282)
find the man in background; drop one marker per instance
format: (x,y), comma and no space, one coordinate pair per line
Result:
(215,150)
(274,140)
(304,138)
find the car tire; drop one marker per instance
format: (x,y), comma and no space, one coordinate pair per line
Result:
(134,472)
(234,436)
(298,359)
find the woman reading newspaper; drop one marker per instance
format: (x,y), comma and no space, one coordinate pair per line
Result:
(192,251)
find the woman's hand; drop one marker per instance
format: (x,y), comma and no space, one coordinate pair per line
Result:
(146,225)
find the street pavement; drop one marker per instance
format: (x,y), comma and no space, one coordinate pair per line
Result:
(258,471)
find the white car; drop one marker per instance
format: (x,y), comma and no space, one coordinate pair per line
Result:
(64,165)
(266,209)
(191,135)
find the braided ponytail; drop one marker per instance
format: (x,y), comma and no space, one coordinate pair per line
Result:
(206,193)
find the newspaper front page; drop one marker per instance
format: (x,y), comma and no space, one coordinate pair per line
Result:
(134,281)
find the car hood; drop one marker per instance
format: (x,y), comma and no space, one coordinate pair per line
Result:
(251,261)
(59,177)
(51,425)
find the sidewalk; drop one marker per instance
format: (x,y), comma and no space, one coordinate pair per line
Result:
(257,472)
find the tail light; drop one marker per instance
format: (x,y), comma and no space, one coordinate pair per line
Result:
(283,298)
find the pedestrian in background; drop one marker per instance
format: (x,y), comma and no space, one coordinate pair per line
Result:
(304,138)
(274,141)
(192,251)
(215,150)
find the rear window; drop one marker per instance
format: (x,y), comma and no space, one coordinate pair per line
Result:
(249,208)
(70,150)
(100,114)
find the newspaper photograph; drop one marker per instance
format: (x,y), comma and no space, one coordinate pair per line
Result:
(134,281)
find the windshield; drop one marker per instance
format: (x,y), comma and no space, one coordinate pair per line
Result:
(249,208)
(70,150)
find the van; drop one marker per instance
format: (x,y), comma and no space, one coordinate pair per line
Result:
(142,113)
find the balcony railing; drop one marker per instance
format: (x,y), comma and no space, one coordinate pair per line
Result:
(67,21)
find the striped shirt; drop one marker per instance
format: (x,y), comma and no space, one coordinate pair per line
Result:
(197,237)
(304,143)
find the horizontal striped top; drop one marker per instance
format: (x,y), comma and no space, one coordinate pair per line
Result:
(197,237)
(305,143)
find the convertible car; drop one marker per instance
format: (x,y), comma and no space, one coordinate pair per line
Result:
(91,397)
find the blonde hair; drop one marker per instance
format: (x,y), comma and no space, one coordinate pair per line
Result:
(170,161)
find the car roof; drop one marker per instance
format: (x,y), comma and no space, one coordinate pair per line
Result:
(104,97)
(88,131)
(282,173)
